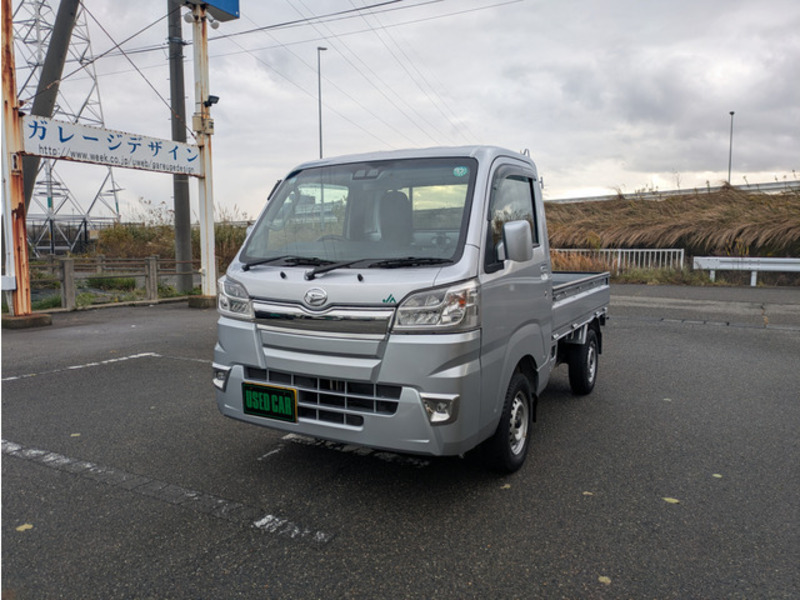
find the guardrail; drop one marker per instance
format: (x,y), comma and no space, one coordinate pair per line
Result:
(766,188)
(754,264)
(626,259)
(68,276)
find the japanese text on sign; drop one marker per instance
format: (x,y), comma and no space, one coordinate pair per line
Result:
(82,143)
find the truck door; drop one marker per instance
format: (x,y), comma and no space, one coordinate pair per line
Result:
(515,297)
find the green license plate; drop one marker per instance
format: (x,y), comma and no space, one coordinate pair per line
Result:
(270,402)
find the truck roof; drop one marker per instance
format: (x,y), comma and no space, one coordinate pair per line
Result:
(481,153)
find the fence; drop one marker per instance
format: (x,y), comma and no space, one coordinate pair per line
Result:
(88,281)
(625,259)
(107,280)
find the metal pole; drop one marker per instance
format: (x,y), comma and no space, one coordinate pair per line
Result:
(730,151)
(180,182)
(15,236)
(319,95)
(204,127)
(48,169)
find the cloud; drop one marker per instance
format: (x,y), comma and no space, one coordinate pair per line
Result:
(606,94)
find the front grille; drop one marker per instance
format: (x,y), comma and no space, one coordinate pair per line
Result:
(352,322)
(337,401)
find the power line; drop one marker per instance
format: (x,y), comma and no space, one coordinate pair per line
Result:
(137,69)
(332,83)
(85,64)
(310,94)
(372,9)
(298,22)
(332,16)
(420,76)
(283,25)
(380,89)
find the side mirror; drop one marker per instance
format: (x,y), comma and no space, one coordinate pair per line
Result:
(517,241)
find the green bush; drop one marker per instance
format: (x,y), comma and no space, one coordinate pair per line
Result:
(46,303)
(112,283)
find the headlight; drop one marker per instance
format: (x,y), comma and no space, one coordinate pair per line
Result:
(455,308)
(233,300)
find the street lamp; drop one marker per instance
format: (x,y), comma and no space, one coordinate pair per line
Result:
(319,95)
(730,150)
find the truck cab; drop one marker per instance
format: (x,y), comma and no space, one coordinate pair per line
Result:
(404,301)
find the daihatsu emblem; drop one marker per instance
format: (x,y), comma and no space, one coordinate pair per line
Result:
(315,297)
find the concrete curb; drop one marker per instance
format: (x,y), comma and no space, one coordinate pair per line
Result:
(27,321)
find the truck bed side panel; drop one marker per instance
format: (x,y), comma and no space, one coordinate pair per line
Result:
(577,299)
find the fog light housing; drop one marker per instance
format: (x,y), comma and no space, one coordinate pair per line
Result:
(440,408)
(221,377)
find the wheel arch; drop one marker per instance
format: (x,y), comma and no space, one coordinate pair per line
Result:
(595,325)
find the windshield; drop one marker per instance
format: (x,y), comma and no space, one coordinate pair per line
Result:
(365,213)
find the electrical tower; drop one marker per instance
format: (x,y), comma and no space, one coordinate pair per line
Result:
(57,220)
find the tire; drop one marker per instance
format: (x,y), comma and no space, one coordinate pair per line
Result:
(583,363)
(507,448)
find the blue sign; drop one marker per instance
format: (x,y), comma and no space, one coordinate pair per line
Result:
(221,10)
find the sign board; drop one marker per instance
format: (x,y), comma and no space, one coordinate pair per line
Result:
(50,138)
(221,10)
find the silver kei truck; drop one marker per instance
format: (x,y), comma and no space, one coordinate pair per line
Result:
(405,301)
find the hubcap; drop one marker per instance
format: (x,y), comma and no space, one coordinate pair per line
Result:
(591,362)
(518,427)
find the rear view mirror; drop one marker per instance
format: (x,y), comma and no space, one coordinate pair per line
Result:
(517,241)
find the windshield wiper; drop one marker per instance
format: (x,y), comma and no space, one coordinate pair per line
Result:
(288,259)
(331,266)
(408,261)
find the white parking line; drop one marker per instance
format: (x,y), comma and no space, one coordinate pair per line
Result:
(208,504)
(86,366)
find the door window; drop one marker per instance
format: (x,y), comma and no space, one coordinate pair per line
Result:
(512,200)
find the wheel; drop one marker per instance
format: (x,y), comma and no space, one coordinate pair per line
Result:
(583,362)
(507,448)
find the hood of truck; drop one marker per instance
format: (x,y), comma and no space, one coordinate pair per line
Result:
(348,286)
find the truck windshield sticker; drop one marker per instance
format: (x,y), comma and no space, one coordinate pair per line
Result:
(460,171)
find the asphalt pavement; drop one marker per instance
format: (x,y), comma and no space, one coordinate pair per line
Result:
(676,478)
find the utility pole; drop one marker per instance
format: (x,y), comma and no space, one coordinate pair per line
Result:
(180,182)
(203,126)
(47,90)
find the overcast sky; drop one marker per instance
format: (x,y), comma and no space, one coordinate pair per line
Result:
(606,94)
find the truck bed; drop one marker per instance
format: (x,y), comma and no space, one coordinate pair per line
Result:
(578,298)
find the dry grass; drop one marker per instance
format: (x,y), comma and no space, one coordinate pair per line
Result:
(154,235)
(583,263)
(577,262)
(723,223)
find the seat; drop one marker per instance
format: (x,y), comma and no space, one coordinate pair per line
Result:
(395,218)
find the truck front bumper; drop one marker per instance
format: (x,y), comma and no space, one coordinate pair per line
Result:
(369,393)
